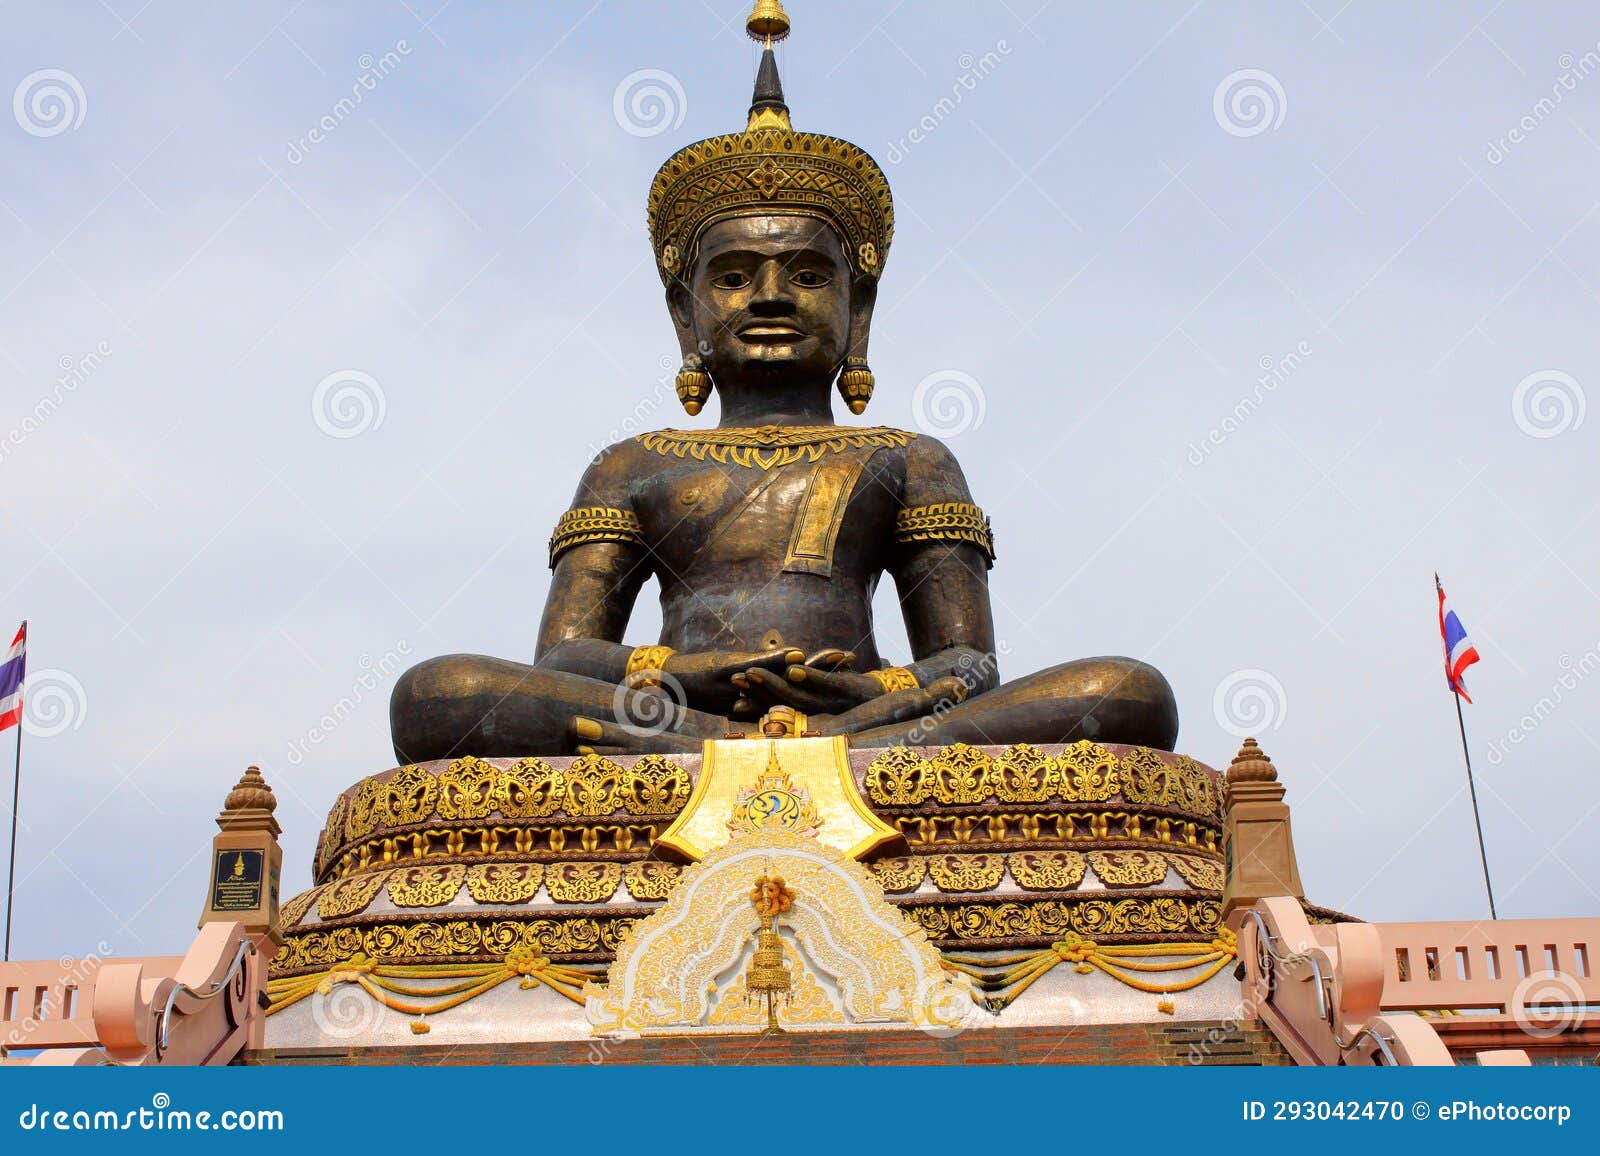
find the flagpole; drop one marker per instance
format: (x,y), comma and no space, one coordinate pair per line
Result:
(1466,755)
(1476,818)
(11,871)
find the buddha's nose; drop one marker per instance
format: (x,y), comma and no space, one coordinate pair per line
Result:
(771,291)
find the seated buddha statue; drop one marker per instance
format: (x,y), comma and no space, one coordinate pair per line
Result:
(769,534)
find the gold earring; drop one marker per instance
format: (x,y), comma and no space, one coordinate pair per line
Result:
(855,384)
(694,384)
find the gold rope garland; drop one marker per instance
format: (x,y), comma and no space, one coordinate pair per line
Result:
(384,981)
(1008,976)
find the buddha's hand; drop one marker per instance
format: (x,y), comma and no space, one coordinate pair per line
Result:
(706,677)
(823,684)
(898,706)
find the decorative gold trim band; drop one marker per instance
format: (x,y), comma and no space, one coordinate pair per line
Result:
(589,787)
(767,447)
(1045,870)
(594,524)
(962,831)
(1047,920)
(586,934)
(1084,772)
(946,522)
(893,678)
(646,664)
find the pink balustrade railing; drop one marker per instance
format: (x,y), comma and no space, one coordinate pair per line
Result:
(1349,993)
(200,1008)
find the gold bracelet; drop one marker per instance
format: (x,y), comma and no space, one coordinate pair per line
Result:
(646,664)
(893,678)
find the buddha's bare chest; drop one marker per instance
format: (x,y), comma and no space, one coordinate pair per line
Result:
(832,516)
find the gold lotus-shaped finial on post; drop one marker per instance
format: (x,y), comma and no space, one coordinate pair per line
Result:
(768,22)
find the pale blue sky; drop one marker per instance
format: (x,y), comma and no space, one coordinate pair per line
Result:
(1081,236)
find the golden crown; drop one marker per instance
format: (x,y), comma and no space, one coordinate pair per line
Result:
(769,168)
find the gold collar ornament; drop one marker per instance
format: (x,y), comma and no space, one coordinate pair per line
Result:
(770,169)
(769,446)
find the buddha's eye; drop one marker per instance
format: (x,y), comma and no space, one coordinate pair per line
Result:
(810,279)
(730,280)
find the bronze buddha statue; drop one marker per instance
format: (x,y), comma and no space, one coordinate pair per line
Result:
(769,533)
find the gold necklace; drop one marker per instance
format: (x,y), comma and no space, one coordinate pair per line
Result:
(769,446)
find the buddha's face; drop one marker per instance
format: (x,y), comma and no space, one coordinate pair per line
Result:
(769,299)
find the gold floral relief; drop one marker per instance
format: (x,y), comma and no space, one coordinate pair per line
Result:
(900,875)
(1200,792)
(467,789)
(350,896)
(961,774)
(292,911)
(366,809)
(592,786)
(1052,918)
(1046,870)
(408,797)
(650,878)
(966,872)
(529,789)
(1202,874)
(504,882)
(583,882)
(1023,774)
(332,837)
(1129,868)
(1143,917)
(1088,773)
(899,778)
(655,786)
(1146,778)
(429,886)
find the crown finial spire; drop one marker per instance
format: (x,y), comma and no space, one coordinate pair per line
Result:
(767,23)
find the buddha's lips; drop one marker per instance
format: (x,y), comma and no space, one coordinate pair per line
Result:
(768,332)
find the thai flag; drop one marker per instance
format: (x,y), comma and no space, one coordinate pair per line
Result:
(1459,653)
(11,672)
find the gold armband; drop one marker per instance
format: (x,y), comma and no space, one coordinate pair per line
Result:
(594,524)
(946,522)
(893,678)
(646,665)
